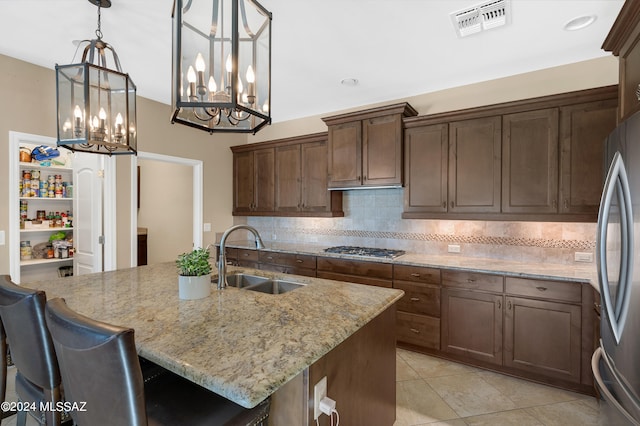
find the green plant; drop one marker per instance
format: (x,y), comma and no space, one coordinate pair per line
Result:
(194,263)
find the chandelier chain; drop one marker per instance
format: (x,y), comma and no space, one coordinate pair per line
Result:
(99,30)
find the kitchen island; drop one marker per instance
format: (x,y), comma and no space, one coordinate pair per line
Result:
(246,345)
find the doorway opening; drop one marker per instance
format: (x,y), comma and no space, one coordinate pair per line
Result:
(166,200)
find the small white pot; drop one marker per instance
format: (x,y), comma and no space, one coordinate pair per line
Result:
(190,288)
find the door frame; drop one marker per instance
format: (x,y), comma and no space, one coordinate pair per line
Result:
(108,203)
(197,168)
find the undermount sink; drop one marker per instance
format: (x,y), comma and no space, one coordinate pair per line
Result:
(261,284)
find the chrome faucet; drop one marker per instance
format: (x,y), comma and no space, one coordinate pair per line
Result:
(222,259)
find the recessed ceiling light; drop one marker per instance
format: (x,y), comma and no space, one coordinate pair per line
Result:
(580,22)
(349,81)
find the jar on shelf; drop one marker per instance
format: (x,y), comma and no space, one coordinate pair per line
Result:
(26,252)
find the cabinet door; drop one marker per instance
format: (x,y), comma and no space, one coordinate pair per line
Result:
(382,151)
(315,196)
(345,155)
(264,183)
(426,165)
(287,178)
(243,194)
(474,165)
(530,162)
(472,324)
(543,337)
(583,128)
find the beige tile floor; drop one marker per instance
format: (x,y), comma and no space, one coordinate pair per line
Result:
(436,392)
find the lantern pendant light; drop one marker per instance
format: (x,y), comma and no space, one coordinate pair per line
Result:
(96,101)
(221,65)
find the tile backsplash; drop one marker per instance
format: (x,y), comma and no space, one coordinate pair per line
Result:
(374,218)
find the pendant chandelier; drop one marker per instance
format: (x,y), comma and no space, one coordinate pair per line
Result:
(96,101)
(221,65)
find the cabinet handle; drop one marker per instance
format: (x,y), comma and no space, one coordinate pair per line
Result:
(358,178)
(499,304)
(541,288)
(415,299)
(566,203)
(245,254)
(415,274)
(444,204)
(554,204)
(299,260)
(471,280)
(415,330)
(270,257)
(509,304)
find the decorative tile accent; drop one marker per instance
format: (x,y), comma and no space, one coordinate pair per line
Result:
(443,238)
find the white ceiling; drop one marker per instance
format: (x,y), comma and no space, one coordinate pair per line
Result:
(395,48)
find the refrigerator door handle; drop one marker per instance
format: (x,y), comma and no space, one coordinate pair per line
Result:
(616,183)
(608,396)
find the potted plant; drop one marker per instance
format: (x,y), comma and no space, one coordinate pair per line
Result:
(194,274)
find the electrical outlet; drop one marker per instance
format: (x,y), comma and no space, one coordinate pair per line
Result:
(206,227)
(319,392)
(583,257)
(453,248)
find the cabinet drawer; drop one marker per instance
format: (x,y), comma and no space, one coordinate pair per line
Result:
(307,272)
(473,281)
(288,259)
(356,267)
(542,289)
(247,255)
(418,330)
(358,279)
(421,299)
(416,274)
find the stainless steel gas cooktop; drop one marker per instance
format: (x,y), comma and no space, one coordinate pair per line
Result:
(365,251)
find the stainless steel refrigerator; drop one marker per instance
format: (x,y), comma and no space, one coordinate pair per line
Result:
(616,362)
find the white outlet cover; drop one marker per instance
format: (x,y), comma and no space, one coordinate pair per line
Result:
(206,227)
(319,392)
(2,238)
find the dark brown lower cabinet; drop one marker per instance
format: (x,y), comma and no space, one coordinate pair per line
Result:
(288,263)
(472,324)
(355,271)
(543,337)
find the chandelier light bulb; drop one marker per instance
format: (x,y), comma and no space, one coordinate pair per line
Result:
(213,87)
(102,114)
(200,63)
(251,77)
(77,113)
(191,75)
(228,63)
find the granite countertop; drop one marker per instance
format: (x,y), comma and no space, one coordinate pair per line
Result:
(583,273)
(240,344)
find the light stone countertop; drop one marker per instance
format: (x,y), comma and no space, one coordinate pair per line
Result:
(241,344)
(583,273)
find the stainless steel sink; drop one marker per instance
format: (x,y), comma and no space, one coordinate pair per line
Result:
(261,284)
(245,280)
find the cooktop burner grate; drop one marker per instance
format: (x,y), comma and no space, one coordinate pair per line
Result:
(365,251)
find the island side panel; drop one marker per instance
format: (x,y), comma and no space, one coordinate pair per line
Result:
(361,375)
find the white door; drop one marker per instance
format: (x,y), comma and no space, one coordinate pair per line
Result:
(87,213)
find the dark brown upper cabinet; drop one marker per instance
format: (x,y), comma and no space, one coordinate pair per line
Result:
(286,177)
(536,159)
(623,41)
(530,162)
(474,165)
(583,128)
(253,181)
(365,147)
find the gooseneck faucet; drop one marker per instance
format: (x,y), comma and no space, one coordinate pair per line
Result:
(222,259)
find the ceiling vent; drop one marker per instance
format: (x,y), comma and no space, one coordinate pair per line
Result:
(483,16)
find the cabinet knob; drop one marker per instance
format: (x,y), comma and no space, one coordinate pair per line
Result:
(415,330)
